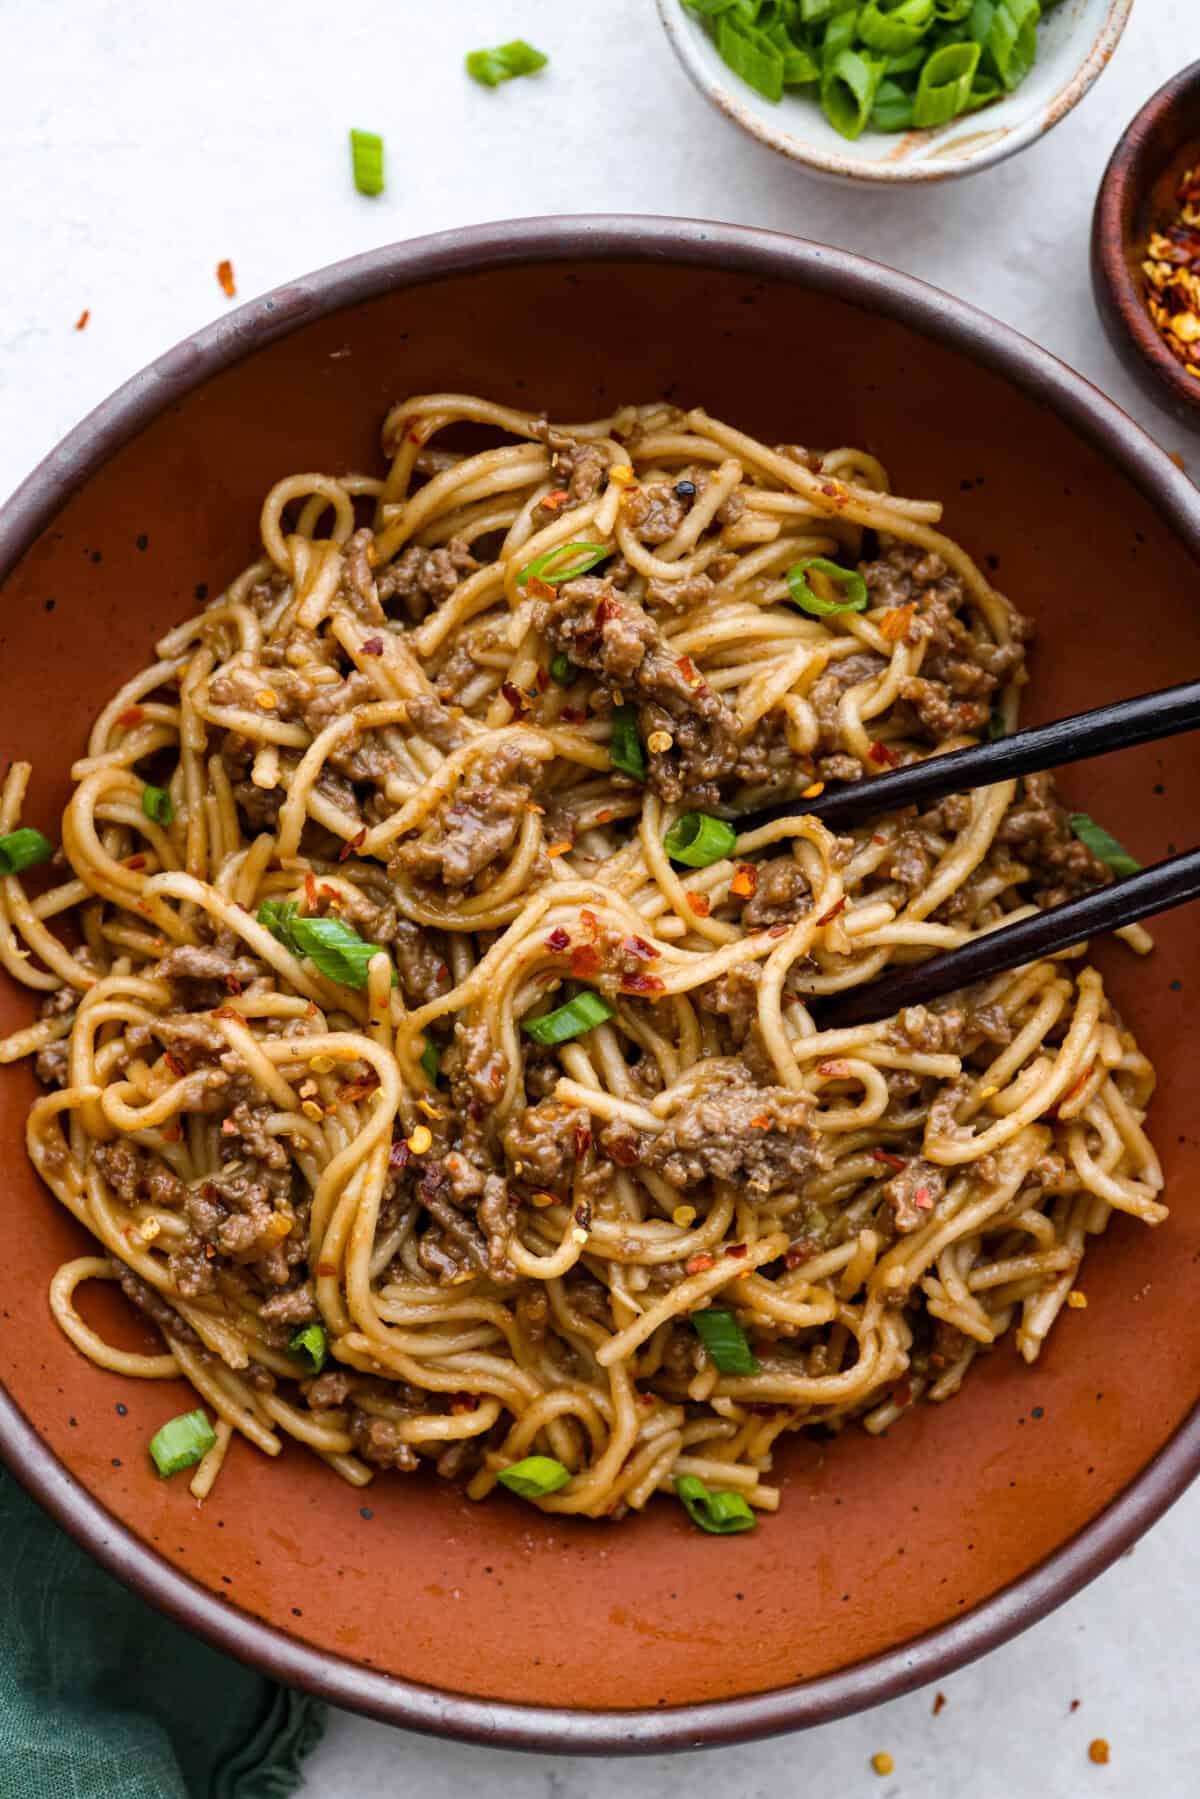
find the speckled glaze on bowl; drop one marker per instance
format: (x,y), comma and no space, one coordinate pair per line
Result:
(1137,195)
(1075,42)
(891,1561)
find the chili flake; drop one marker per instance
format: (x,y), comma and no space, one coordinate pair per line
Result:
(1172,271)
(939,1700)
(827,917)
(354,843)
(1077,1300)
(884,757)
(225,277)
(132,715)
(683,1216)
(552,501)
(1098,1750)
(515,698)
(896,620)
(882,1155)
(882,1762)
(83,318)
(659,742)
(810,793)
(699,1264)
(560,848)
(537,589)
(421,1140)
(745,880)
(558,939)
(585,960)
(699,904)
(605,817)
(372,646)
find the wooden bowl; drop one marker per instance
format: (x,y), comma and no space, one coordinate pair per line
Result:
(892,1561)
(1136,197)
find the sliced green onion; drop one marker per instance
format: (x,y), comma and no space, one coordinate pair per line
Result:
(580,558)
(945,84)
(893,108)
(536,1476)
(562,669)
(23,849)
(366,152)
(310,1346)
(906,64)
(951,12)
(431,1062)
(721,1514)
(894,25)
(1012,41)
(725,1341)
(698,840)
(158,805)
(338,951)
(583,1013)
(182,1442)
(984,89)
(848,91)
(491,67)
(625,745)
(850,582)
(1103,846)
(750,54)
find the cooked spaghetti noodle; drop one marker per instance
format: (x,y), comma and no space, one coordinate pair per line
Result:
(399,793)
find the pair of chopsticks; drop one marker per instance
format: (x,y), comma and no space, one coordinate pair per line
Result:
(1146,719)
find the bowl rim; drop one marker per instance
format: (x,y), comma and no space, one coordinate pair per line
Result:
(477,250)
(1121,301)
(844,165)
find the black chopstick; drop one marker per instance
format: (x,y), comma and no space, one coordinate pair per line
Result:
(1156,889)
(1117,727)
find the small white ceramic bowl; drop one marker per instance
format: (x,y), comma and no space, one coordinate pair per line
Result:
(1074,45)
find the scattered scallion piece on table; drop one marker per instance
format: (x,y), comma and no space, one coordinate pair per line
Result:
(181,1442)
(491,67)
(310,1346)
(366,154)
(849,588)
(583,1013)
(625,749)
(158,805)
(23,849)
(564,563)
(1103,845)
(697,839)
(536,1476)
(725,1341)
(721,1514)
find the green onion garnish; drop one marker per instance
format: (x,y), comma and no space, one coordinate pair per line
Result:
(158,805)
(23,849)
(310,1346)
(725,1341)
(848,88)
(562,670)
(536,1476)
(847,581)
(625,745)
(893,108)
(491,67)
(721,1514)
(750,54)
(182,1442)
(339,952)
(1104,847)
(894,25)
(579,558)
(945,84)
(698,840)
(583,1013)
(366,150)
(431,1062)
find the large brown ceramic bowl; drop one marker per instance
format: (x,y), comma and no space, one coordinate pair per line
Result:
(891,1561)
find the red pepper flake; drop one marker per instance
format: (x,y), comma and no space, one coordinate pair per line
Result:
(641,983)
(590,922)
(698,1264)
(836,1069)
(325,1269)
(890,1161)
(415,437)
(803,1250)
(745,880)
(515,698)
(353,1091)
(605,817)
(939,1700)
(372,646)
(232,985)
(761,1122)
(226,1012)
(778,930)
(83,318)
(558,939)
(135,862)
(225,277)
(174,1064)
(464,1402)
(1074,1705)
(228,1128)
(700,905)
(354,843)
(833,911)
(552,501)
(607,608)
(884,757)
(173,1132)
(585,960)
(902,1392)
(541,679)
(834,492)
(1098,1751)
(689,671)
(583,1141)
(736,1250)
(332,895)
(1076,1086)
(537,589)
(560,848)
(923,1199)
(896,620)
(637,946)
(132,715)
(624,1151)
(572,715)
(310,890)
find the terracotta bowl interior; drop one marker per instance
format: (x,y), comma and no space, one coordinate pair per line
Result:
(1138,196)
(878,1542)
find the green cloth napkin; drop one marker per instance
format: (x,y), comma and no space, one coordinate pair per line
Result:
(101,1697)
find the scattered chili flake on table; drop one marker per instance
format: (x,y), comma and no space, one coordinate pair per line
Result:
(83,318)
(1172,271)
(225,277)
(1098,1750)
(939,1700)
(882,1762)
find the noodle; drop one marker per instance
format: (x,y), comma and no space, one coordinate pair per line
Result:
(392,723)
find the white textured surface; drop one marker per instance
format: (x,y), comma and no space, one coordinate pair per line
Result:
(142,142)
